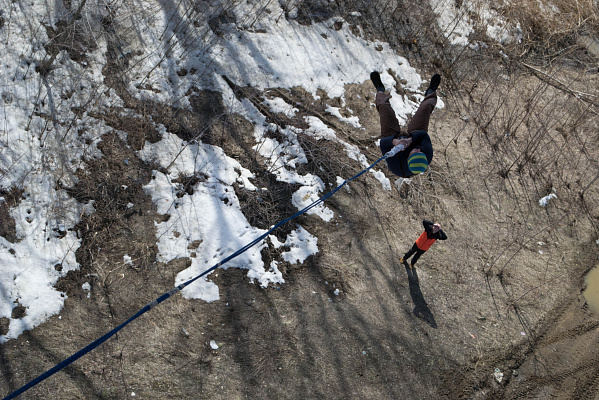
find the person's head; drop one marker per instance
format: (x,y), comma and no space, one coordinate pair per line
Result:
(417,162)
(436,228)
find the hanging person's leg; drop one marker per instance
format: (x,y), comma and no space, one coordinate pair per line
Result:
(420,120)
(389,123)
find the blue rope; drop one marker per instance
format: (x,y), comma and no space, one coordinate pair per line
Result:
(177,289)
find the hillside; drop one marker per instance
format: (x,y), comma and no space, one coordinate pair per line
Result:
(143,142)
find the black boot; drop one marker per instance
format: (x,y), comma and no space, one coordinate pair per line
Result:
(376,81)
(435,81)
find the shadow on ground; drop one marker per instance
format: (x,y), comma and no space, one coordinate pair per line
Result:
(421,309)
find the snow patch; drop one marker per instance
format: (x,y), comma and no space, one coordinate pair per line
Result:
(301,244)
(543,202)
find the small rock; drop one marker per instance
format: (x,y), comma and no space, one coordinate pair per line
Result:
(498,375)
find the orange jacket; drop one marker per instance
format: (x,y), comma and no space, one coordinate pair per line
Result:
(423,242)
(427,238)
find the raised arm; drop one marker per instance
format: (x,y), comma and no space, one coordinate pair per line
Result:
(442,235)
(428,225)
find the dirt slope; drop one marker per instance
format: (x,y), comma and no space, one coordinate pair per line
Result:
(502,292)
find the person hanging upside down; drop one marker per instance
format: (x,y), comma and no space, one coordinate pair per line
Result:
(418,152)
(432,232)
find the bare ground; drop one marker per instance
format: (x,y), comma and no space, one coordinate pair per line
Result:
(439,331)
(504,291)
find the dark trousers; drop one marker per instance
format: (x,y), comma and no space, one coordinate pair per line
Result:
(413,250)
(390,124)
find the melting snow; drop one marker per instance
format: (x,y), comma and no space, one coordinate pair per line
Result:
(37,153)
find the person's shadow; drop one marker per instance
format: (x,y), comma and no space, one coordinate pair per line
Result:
(421,309)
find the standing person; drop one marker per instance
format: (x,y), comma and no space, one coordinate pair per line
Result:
(432,232)
(418,152)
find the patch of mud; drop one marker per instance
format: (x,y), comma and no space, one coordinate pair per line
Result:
(139,129)
(18,312)
(122,223)
(70,35)
(8,228)
(4,325)
(220,23)
(564,362)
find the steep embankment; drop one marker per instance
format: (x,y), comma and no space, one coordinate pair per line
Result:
(149,117)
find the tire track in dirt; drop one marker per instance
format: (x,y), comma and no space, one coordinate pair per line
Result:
(565,361)
(579,330)
(562,362)
(585,376)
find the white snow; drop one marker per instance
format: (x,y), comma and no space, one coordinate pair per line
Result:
(457,23)
(278,105)
(301,244)
(43,141)
(340,181)
(87,287)
(44,252)
(354,121)
(543,202)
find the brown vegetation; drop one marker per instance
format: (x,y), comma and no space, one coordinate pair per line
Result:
(520,121)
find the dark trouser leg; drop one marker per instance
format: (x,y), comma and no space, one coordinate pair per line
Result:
(419,121)
(413,250)
(389,123)
(417,256)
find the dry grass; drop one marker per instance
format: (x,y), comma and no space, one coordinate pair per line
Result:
(529,125)
(552,20)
